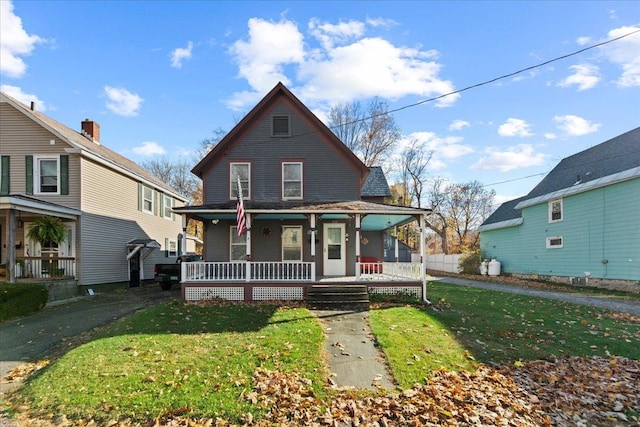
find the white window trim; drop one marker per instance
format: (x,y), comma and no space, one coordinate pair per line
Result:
(233,231)
(233,186)
(144,199)
(36,174)
(301,196)
(298,227)
(280,135)
(551,202)
(172,244)
(167,206)
(550,246)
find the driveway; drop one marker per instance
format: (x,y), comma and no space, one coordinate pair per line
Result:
(34,337)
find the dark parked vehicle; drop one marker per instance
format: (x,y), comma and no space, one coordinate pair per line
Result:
(166,275)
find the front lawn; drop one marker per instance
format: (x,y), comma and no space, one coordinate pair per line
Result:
(243,363)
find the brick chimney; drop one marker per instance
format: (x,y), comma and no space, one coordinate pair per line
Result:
(91,129)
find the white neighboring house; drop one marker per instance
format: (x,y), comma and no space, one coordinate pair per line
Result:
(118,216)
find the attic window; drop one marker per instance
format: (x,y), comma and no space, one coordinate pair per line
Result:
(555,210)
(280,125)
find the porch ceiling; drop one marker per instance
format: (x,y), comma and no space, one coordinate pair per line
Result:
(375,216)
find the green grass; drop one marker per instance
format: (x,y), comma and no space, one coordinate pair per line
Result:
(196,360)
(478,325)
(199,360)
(21,299)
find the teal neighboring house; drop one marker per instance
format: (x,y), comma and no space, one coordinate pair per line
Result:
(580,224)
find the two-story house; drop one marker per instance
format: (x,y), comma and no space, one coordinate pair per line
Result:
(580,224)
(118,216)
(312,212)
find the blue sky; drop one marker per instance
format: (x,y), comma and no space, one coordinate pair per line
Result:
(161,76)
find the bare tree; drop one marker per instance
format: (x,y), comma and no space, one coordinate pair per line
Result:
(175,174)
(207,144)
(371,134)
(415,160)
(458,209)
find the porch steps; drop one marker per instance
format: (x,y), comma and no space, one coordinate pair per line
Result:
(338,297)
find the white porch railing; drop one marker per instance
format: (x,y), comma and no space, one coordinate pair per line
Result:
(241,271)
(389,271)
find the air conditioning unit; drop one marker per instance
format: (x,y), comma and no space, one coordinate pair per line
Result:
(578,281)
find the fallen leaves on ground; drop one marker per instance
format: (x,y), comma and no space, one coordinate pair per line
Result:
(572,391)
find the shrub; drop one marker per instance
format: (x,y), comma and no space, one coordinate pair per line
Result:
(21,299)
(470,262)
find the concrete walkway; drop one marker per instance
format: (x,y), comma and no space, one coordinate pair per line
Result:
(353,358)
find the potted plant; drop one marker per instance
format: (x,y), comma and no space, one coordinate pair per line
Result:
(47,231)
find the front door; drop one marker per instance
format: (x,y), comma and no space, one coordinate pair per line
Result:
(334,248)
(134,270)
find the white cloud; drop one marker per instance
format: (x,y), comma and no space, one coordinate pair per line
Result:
(444,148)
(515,127)
(122,102)
(626,54)
(550,135)
(459,125)
(180,54)
(149,149)
(14,42)
(270,46)
(25,98)
(518,157)
(330,34)
(381,22)
(575,126)
(583,41)
(585,76)
(344,66)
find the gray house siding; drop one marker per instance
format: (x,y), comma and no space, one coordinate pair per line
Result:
(323,167)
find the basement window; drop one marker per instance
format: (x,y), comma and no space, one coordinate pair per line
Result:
(555,242)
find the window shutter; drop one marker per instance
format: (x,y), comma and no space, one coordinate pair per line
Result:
(64,174)
(4,178)
(140,196)
(161,205)
(166,247)
(29,174)
(156,201)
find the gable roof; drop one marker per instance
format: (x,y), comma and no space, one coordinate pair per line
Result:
(87,147)
(376,184)
(276,93)
(611,161)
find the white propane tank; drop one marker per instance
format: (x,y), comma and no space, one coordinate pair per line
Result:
(484,267)
(494,267)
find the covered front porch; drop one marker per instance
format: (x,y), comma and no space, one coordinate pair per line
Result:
(26,260)
(336,243)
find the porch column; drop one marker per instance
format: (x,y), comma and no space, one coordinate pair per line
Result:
(358,220)
(395,241)
(313,237)
(185,220)
(10,226)
(423,264)
(312,242)
(248,244)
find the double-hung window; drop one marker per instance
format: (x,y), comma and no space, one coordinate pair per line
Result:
(292,243)
(167,203)
(47,174)
(238,246)
(242,171)
(555,210)
(147,199)
(291,180)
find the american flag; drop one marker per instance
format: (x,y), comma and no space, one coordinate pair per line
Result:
(240,219)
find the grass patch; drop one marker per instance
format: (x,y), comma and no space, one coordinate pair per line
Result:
(198,360)
(482,326)
(21,299)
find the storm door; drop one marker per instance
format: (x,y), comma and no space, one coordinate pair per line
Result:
(334,248)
